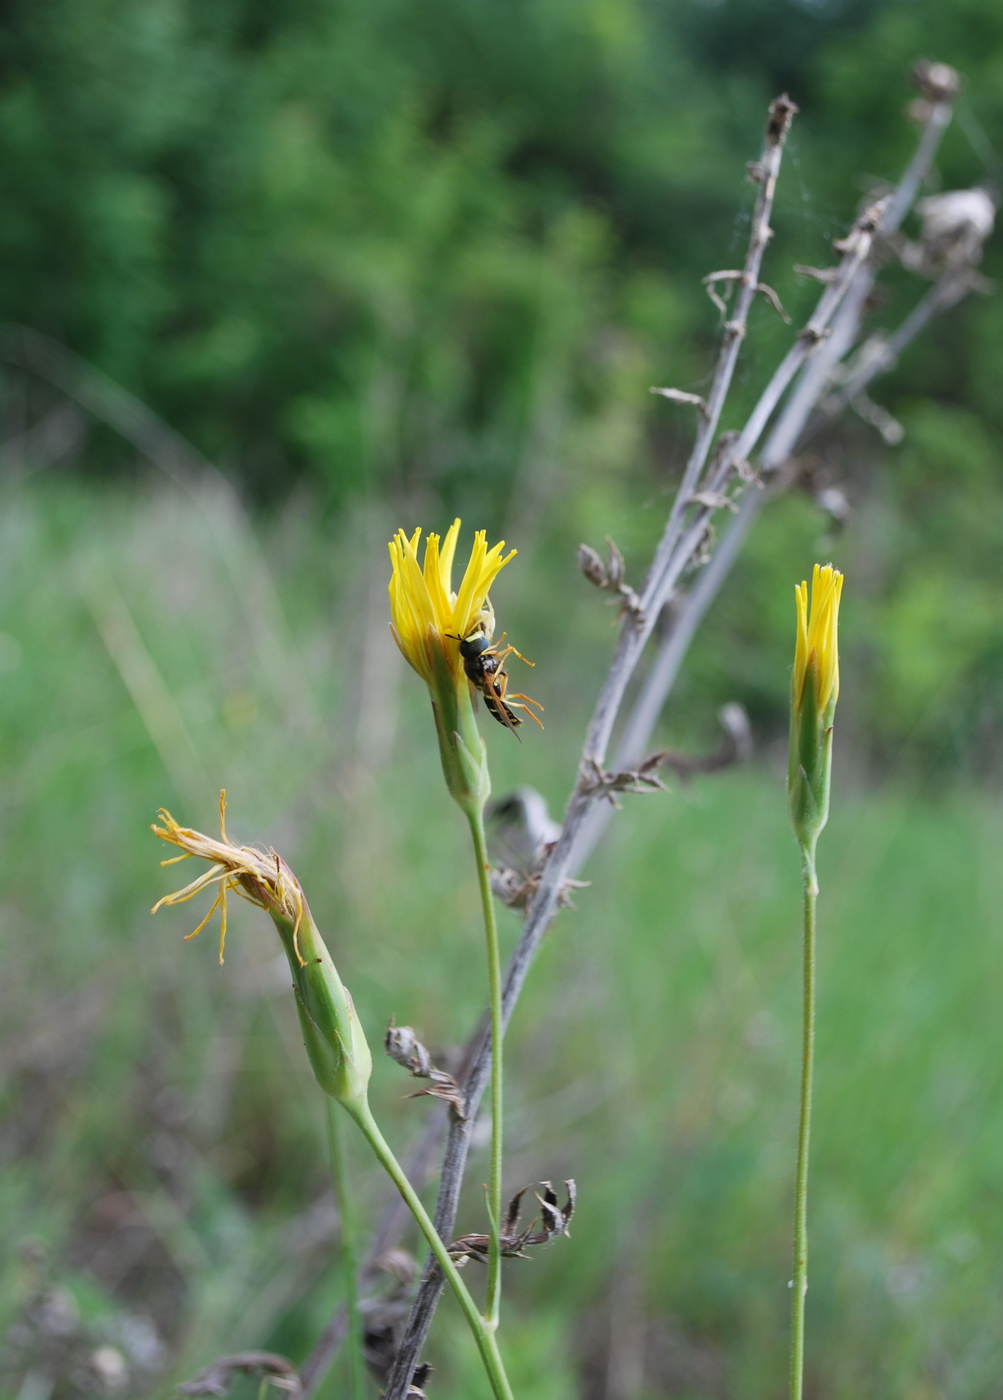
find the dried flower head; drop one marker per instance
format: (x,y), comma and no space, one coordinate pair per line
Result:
(262,877)
(332,1036)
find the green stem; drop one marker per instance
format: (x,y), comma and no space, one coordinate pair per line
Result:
(799,1284)
(349,1245)
(492,1305)
(484,1335)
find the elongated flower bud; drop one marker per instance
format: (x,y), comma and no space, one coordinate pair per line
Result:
(335,1043)
(814,691)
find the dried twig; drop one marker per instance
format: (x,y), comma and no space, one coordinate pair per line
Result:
(684,396)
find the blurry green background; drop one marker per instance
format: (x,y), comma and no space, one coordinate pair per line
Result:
(383,263)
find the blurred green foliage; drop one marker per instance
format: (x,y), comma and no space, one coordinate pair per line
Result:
(366,243)
(376,252)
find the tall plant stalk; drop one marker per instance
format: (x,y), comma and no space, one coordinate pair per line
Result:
(484,1334)
(492,1304)
(349,1245)
(799,1282)
(814,692)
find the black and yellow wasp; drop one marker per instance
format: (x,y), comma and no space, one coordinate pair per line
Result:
(484,665)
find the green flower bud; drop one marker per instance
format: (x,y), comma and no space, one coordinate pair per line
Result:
(334,1040)
(814,691)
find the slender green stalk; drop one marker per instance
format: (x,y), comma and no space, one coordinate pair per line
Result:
(492,1304)
(799,1284)
(484,1334)
(349,1245)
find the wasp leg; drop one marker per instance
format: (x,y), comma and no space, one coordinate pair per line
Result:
(508,651)
(517,699)
(523,702)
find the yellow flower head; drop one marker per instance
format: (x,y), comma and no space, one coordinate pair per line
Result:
(816,647)
(261,877)
(427,616)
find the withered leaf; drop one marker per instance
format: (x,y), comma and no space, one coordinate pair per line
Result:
(553,1221)
(403,1046)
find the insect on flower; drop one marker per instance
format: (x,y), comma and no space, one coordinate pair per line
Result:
(446,636)
(483,665)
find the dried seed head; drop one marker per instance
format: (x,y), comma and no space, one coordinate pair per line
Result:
(938,82)
(403,1046)
(591,566)
(553,1221)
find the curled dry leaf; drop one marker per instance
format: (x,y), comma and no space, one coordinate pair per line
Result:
(643,778)
(735,747)
(416,1390)
(404,1046)
(554,1220)
(612,574)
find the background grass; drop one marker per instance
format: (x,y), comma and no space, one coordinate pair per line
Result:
(164,1187)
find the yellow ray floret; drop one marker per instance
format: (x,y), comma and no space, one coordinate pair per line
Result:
(817,635)
(262,877)
(427,616)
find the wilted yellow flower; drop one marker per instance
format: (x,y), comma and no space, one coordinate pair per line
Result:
(262,878)
(428,618)
(816,646)
(334,1041)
